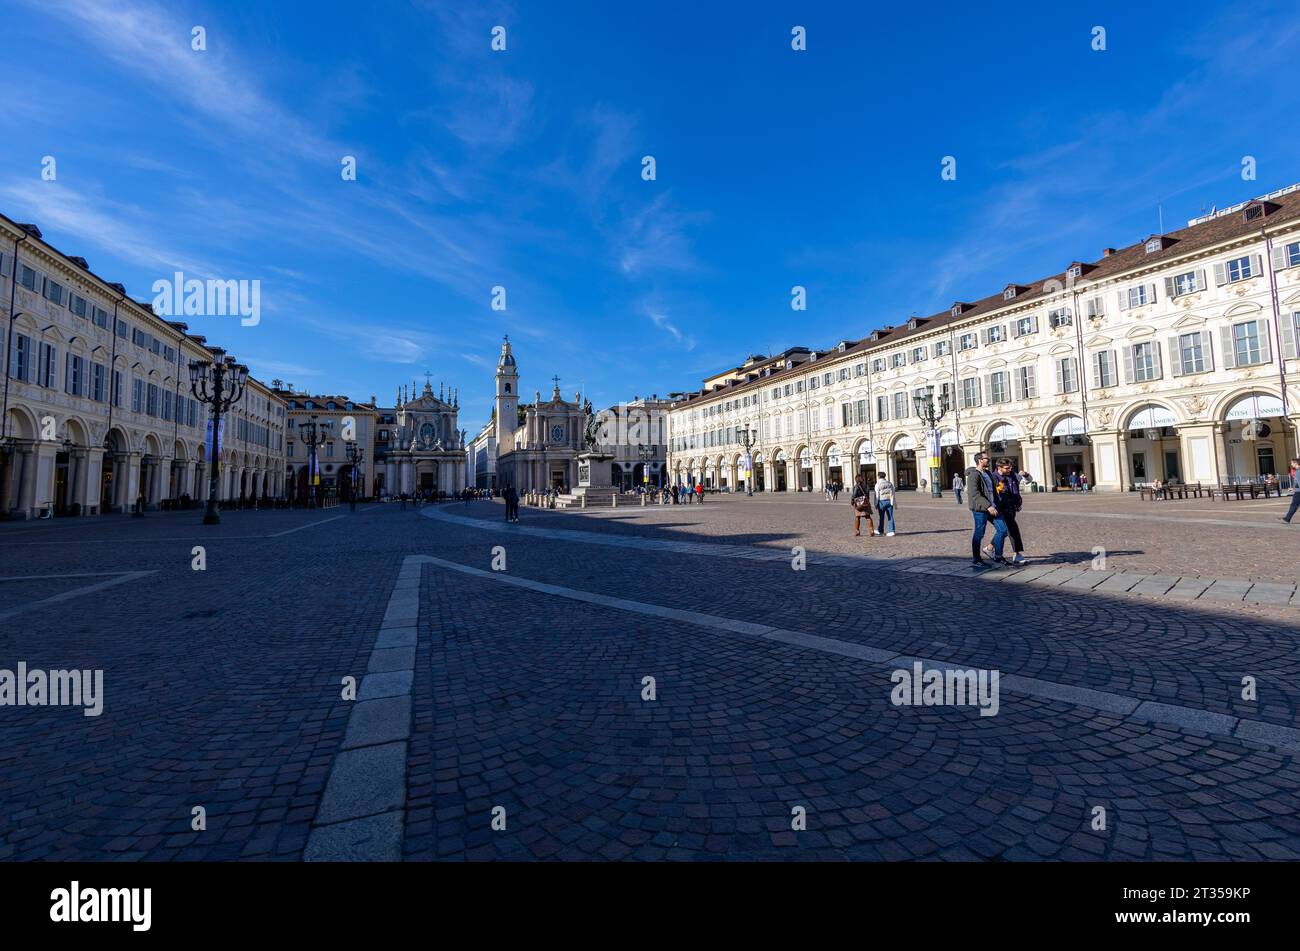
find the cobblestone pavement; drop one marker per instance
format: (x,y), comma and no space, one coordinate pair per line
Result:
(1183,538)
(517,694)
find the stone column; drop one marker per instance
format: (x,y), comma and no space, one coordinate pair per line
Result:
(27,495)
(1038,458)
(1108,464)
(1201,460)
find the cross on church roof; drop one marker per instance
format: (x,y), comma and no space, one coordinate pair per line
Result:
(556,381)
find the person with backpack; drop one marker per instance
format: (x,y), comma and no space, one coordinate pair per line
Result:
(885,504)
(1007,498)
(860,502)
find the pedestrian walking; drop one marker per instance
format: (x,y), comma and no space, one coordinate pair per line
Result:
(860,502)
(885,504)
(1007,498)
(1295,492)
(699,492)
(957,486)
(984,511)
(1083,483)
(511,498)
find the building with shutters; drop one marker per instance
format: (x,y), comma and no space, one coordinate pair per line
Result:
(97,408)
(1174,358)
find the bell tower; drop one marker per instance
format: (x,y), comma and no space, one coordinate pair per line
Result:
(507,396)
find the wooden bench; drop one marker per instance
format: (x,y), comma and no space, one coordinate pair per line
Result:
(1178,490)
(1255,490)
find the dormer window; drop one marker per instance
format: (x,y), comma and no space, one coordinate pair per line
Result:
(1075,270)
(1009,293)
(911,324)
(1153,245)
(844,345)
(1258,209)
(1157,242)
(959,308)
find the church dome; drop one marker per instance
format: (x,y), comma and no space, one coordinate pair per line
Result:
(507,358)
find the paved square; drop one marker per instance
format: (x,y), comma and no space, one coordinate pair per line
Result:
(674,683)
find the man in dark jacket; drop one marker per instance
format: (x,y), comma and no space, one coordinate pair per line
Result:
(983,508)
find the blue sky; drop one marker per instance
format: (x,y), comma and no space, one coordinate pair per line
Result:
(523,168)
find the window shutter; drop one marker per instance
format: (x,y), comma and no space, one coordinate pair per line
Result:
(1018,385)
(1151,293)
(1229,352)
(1033,323)
(1257,265)
(1155,360)
(1279,257)
(1289,335)
(1169,287)
(1031,382)
(1096,370)
(1060,380)
(1123,299)
(1265,345)
(1220,274)
(1175,358)
(1128,363)
(1207,351)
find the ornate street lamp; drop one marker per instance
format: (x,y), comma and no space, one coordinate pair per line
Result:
(646,453)
(220,383)
(748,437)
(930,415)
(356,454)
(313,436)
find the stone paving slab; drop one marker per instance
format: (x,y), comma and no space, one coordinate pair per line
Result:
(1087,580)
(390,684)
(372,839)
(1226,591)
(1155,585)
(374,722)
(1262,592)
(364,782)
(1119,583)
(1188,589)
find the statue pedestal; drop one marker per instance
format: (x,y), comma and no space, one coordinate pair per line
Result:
(595,479)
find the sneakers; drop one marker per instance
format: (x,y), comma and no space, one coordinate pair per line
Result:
(988,549)
(1020,560)
(889,534)
(877,533)
(981,565)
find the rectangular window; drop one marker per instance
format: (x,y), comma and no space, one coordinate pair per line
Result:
(137,395)
(117,388)
(999,387)
(859,369)
(843,374)
(1103,369)
(53,292)
(1238,269)
(1026,326)
(1026,381)
(78,305)
(882,408)
(878,365)
(1061,317)
(942,348)
(826,379)
(829,415)
(897,360)
(918,354)
(1188,282)
(1067,375)
(101,317)
(966,342)
(1291,255)
(74,375)
(27,277)
(900,406)
(167,404)
(970,392)
(123,329)
(993,335)
(20,359)
(98,375)
(1190,353)
(1137,296)
(1146,365)
(46,372)
(1246,347)
(1095,308)
(151,406)
(860,412)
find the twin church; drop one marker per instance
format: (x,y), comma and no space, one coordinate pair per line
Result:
(531,447)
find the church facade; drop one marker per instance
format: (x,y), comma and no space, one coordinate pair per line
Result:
(426,453)
(537,447)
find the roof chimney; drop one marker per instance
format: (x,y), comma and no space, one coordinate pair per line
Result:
(1107,252)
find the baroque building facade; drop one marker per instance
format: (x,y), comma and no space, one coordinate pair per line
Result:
(1174,358)
(343,421)
(97,408)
